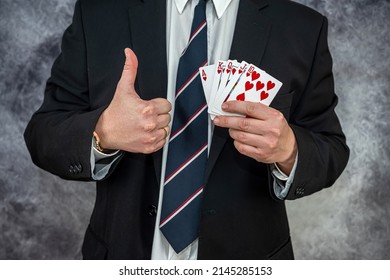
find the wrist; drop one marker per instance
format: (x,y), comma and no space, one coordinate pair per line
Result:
(98,146)
(287,164)
(101,136)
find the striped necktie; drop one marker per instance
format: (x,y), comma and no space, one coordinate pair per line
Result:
(187,150)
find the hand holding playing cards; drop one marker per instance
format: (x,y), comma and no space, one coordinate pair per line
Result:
(130,123)
(263,135)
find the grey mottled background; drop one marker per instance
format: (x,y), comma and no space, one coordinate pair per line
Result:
(43,217)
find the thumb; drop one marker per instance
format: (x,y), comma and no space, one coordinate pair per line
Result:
(129,69)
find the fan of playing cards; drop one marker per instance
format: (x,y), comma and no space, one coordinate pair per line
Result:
(232,80)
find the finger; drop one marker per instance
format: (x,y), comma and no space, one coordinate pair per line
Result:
(160,144)
(161,105)
(154,148)
(129,73)
(160,141)
(247,108)
(243,124)
(167,131)
(250,139)
(163,120)
(256,153)
(159,134)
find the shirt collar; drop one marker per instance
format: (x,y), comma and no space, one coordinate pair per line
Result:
(219,5)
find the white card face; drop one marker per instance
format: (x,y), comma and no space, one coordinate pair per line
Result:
(223,96)
(207,77)
(270,89)
(256,86)
(229,73)
(246,84)
(232,80)
(230,69)
(219,69)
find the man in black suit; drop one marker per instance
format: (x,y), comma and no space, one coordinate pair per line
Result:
(291,149)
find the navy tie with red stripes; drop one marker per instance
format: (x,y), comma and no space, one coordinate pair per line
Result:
(188,143)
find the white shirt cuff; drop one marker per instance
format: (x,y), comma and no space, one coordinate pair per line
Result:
(282,182)
(101,163)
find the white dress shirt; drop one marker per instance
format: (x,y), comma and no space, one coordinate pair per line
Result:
(221,19)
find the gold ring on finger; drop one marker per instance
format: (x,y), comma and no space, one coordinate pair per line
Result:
(166,129)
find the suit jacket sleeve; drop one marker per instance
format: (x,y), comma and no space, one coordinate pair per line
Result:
(323,153)
(59,134)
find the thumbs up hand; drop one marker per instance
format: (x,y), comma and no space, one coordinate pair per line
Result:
(130,123)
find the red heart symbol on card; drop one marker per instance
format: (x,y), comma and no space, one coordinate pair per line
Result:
(241,97)
(263,95)
(248,86)
(259,85)
(239,71)
(255,75)
(270,85)
(228,71)
(204,76)
(234,71)
(219,71)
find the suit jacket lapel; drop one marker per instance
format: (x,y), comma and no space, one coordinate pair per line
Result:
(249,42)
(251,32)
(147,20)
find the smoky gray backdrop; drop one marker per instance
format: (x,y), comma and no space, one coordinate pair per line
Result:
(44,217)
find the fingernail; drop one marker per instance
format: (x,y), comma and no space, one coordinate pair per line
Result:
(224,106)
(216,120)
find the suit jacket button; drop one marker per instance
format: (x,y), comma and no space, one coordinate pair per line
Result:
(71,169)
(152,210)
(300,191)
(78,168)
(209,212)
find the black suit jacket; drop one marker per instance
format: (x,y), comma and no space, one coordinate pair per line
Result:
(240,218)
